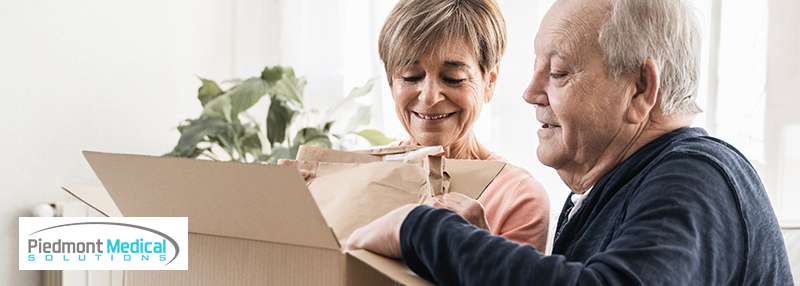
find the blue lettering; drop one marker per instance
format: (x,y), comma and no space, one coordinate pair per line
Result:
(112,247)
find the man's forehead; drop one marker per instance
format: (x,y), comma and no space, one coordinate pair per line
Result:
(568,26)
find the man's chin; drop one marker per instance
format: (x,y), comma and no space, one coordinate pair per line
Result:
(547,156)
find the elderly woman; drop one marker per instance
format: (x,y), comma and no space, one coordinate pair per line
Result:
(441,59)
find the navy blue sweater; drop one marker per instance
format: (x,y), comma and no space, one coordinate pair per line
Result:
(686,209)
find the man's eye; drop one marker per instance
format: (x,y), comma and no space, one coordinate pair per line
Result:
(414,78)
(557,75)
(454,81)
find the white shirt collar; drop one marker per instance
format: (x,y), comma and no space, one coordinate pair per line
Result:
(577,202)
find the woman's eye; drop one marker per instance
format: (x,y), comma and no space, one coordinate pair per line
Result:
(558,75)
(414,78)
(454,81)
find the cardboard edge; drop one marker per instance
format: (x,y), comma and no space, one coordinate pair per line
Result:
(505,165)
(84,201)
(108,211)
(391,268)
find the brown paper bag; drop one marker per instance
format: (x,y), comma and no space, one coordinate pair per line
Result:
(357,188)
(380,169)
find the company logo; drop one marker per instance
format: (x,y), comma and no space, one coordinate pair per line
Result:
(123,243)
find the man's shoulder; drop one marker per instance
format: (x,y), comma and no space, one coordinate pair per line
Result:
(705,151)
(706,147)
(702,168)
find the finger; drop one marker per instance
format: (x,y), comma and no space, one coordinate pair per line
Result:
(307,175)
(356,239)
(456,196)
(460,200)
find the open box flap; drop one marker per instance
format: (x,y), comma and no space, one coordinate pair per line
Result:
(96,198)
(471,177)
(394,269)
(250,201)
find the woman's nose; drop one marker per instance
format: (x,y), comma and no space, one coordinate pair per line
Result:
(431,93)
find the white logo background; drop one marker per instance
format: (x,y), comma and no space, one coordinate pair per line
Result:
(169,231)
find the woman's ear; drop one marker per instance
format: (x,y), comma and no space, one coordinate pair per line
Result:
(645,98)
(491,82)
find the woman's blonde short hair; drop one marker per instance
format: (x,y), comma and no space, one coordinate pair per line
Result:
(416,28)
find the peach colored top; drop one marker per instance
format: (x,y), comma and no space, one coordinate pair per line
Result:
(516,206)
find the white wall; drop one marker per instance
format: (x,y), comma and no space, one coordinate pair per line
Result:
(107,75)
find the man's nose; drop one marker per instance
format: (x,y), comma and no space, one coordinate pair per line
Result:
(535,93)
(431,93)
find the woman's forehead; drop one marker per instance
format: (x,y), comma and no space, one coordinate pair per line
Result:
(453,54)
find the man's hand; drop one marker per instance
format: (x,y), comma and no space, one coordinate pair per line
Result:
(464,206)
(382,235)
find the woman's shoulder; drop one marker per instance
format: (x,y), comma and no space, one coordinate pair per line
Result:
(516,177)
(510,170)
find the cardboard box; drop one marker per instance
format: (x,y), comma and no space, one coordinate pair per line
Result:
(249,224)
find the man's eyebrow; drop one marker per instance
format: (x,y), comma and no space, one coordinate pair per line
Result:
(561,47)
(558,53)
(556,49)
(562,50)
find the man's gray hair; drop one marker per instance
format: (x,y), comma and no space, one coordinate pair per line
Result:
(666,31)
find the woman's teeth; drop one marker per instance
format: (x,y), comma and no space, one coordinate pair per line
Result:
(432,116)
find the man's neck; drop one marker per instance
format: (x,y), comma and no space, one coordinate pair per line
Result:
(582,177)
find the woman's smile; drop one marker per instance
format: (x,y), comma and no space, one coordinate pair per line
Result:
(432,116)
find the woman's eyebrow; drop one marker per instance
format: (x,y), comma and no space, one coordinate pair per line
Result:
(456,64)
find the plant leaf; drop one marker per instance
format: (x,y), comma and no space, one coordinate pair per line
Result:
(312,136)
(363,90)
(245,95)
(289,87)
(272,74)
(208,90)
(251,141)
(281,152)
(349,101)
(279,116)
(219,107)
(348,112)
(326,128)
(195,132)
(375,137)
(360,118)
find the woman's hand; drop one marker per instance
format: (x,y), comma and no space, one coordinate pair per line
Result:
(466,207)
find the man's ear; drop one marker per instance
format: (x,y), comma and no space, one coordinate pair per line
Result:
(491,82)
(645,98)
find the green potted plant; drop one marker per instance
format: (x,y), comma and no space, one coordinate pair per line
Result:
(225,131)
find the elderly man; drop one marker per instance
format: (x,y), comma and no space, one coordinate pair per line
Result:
(654,202)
